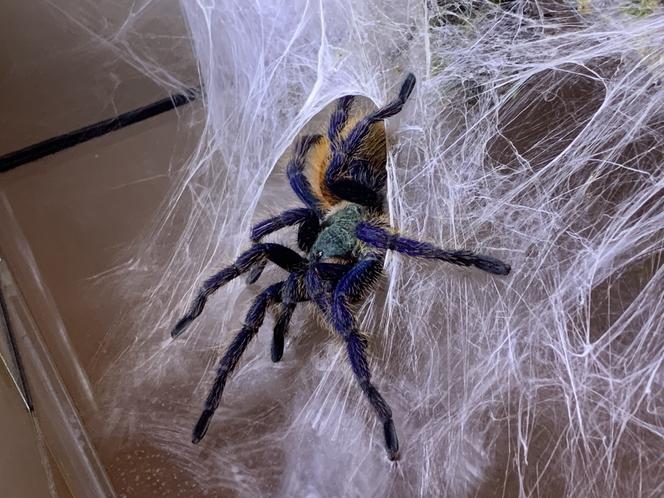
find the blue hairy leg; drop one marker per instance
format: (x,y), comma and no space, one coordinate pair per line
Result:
(307,233)
(338,120)
(382,238)
(356,283)
(351,179)
(252,323)
(292,292)
(282,256)
(287,218)
(296,176)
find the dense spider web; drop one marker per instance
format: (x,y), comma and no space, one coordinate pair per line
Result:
(535,134)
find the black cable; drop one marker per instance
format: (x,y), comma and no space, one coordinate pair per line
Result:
(56,144)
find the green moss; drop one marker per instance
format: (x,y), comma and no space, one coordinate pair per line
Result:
(640,8)
(461,12)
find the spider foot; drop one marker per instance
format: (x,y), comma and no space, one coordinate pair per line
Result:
(277,351)
(492,265)
(202,426)
(181,326)
(282,320)
(407,87)
(391,440)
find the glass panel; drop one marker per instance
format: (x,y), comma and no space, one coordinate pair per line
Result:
(9,352)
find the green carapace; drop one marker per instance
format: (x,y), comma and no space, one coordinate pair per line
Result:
(338,239)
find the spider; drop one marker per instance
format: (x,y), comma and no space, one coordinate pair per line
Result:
(342,231)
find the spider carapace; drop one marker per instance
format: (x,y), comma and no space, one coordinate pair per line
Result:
(342,235)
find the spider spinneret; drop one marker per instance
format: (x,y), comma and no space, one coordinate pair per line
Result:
(344,235)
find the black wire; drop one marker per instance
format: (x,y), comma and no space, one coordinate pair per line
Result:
(61,142)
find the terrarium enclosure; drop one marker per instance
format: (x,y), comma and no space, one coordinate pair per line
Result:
(535,134)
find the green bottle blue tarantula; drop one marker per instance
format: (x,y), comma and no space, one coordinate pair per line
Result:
(343,233)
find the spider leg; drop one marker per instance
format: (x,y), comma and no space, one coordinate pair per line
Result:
(291,293)
(357,135)
(353,284)
(283,317)
(320,281)
(307,233)
(360,279)
(288,218)
(384,239)
(256,272)
(338,120)
(295,172)
(361,187)
(319,289)
(356,346)
(393,107)
(252,323)
(351,179)
(332,271)
(307,217)
(357,281)
(282,256)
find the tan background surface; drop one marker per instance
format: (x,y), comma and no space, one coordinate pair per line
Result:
(66,219)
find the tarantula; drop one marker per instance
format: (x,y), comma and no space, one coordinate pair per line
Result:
(344,235)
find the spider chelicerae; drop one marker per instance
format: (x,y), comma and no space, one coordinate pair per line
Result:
(344,235)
